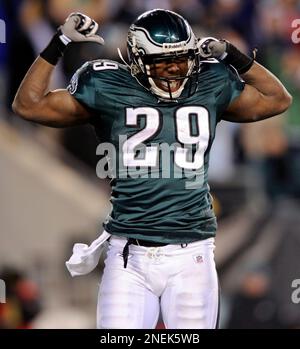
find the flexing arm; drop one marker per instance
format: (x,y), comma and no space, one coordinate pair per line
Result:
(264,96)
(57,108)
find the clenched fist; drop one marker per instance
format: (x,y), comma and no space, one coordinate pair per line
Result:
(226,52)
(79,28)
(211,48)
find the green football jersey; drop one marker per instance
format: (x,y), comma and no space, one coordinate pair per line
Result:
(157,151)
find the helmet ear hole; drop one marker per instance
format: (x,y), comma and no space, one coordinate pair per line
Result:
(160,34)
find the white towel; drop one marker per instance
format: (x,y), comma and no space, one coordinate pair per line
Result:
(85,258)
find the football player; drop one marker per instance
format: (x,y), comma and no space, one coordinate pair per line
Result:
(159,111)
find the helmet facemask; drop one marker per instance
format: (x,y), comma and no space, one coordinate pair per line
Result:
(146,52)
(172,85)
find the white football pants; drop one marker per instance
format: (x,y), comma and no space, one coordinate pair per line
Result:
(180,281)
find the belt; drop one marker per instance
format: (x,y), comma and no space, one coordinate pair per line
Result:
(137,242)
(147,243)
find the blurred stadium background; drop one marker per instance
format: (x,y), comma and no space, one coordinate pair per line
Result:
(50,196)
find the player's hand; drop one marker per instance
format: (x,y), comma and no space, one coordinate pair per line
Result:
(225,52)
(80,28)
(211,47)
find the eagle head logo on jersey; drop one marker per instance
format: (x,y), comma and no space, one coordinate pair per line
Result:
(163,36)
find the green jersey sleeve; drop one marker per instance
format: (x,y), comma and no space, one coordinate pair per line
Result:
(233,87)
(236,84)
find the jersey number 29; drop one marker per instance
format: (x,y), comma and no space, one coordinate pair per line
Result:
(183,136)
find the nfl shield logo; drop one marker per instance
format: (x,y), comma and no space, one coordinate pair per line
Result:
(198,259)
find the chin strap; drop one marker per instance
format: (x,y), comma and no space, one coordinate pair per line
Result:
(168,95)
(122,58)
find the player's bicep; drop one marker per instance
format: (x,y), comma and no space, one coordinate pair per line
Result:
(60,109)
(249,106)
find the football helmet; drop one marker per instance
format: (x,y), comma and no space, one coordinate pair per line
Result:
(159,36)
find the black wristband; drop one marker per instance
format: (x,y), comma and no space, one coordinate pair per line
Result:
(55,49)
(241,62)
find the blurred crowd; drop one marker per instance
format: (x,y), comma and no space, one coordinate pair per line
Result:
(270,148)
(23,299)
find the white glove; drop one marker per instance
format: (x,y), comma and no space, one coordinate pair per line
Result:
(226,52)
(212,48)
(80,28)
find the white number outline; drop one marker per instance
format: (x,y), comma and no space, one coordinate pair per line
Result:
(153,123)
(183,136)
(105,65)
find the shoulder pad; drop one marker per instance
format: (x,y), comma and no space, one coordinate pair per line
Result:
(90,69)
(101,65)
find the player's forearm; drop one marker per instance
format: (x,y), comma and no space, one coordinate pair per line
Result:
(269,86)
(269,96)
(33,89)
